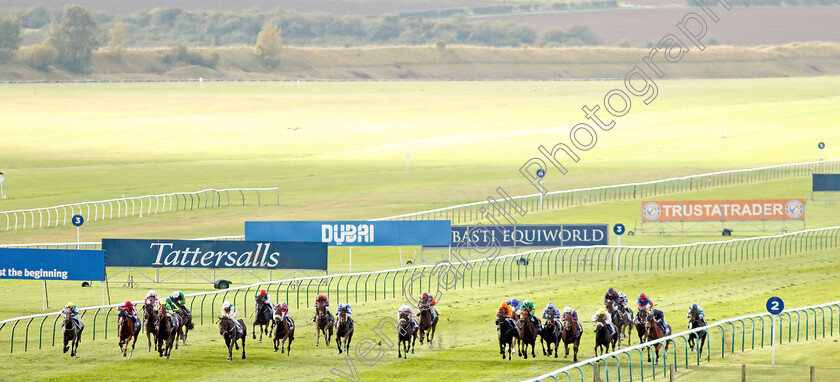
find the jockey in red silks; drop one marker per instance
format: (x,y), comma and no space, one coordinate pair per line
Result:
(432,303)
(131,311)
(265,299)
(644,302)
(323,300)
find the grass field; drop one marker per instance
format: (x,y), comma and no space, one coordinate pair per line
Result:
(337,151)
(465,347)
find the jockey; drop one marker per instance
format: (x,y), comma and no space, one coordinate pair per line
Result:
(407,309)
(550,309)
(660,319)
(131,311)
(171,307)
(644,302)
(178,298)
(342,307)
(622,299)
(284,308)
(432,303)
(265,299)
(602,314)
(699,312)
(73,311)
(611,296)
(322,299)
(229,311)
(568,310)
(152,299)
(514,304)
(506,310)
(529,306)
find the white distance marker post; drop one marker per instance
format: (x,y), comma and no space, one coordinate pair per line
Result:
(820,145)
(78,220)
(725,125)
(775,306)
(618,230)
(2,178)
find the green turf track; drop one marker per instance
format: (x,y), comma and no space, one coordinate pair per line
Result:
(465,348)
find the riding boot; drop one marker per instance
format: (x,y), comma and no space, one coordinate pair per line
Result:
(434,313)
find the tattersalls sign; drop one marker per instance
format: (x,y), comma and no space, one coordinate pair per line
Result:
(214,254)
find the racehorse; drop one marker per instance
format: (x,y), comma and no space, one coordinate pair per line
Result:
(263,319)
(627,317)
(508,334)
(571,335)
(655,332)
(618,319)
(426,323)
(126,330)
(186,325)
(322,323)
(344,334)
(407,336)
(150,317)
(639,323)
(527,334)
(694,321)
(550,335)
(603,337)
(227,328)
(72,333)
(282,331)
(167,329)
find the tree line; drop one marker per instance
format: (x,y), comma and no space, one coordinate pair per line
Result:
(71,36)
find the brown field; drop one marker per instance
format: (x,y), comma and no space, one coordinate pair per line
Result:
(339,7)
(739,26)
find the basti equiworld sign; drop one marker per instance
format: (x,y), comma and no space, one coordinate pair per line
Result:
(530,235)
(353,233)
(723,210)
(52,264)
(214,254)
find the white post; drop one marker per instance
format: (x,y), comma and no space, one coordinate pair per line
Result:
(541,192)
(725,125)
(77,238)
(351,260)
(773,339)
(618,253)
(200,83)
(298,83)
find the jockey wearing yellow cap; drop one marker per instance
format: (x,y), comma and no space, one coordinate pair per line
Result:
(601,315)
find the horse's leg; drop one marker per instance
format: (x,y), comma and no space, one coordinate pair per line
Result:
(413,342)
(243,344)
(318,334)
(136,335)
(543,346)
(576,345)
(648,350)
(289,349)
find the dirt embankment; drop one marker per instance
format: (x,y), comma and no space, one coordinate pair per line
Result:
(453,63)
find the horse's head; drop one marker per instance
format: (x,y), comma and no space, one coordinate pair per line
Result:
(650,322)
(342,316)
(224,324)
(695,315)
(609,306)
(643,314)
(524,314)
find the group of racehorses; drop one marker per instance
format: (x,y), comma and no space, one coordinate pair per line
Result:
(520,332)
(164,329)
